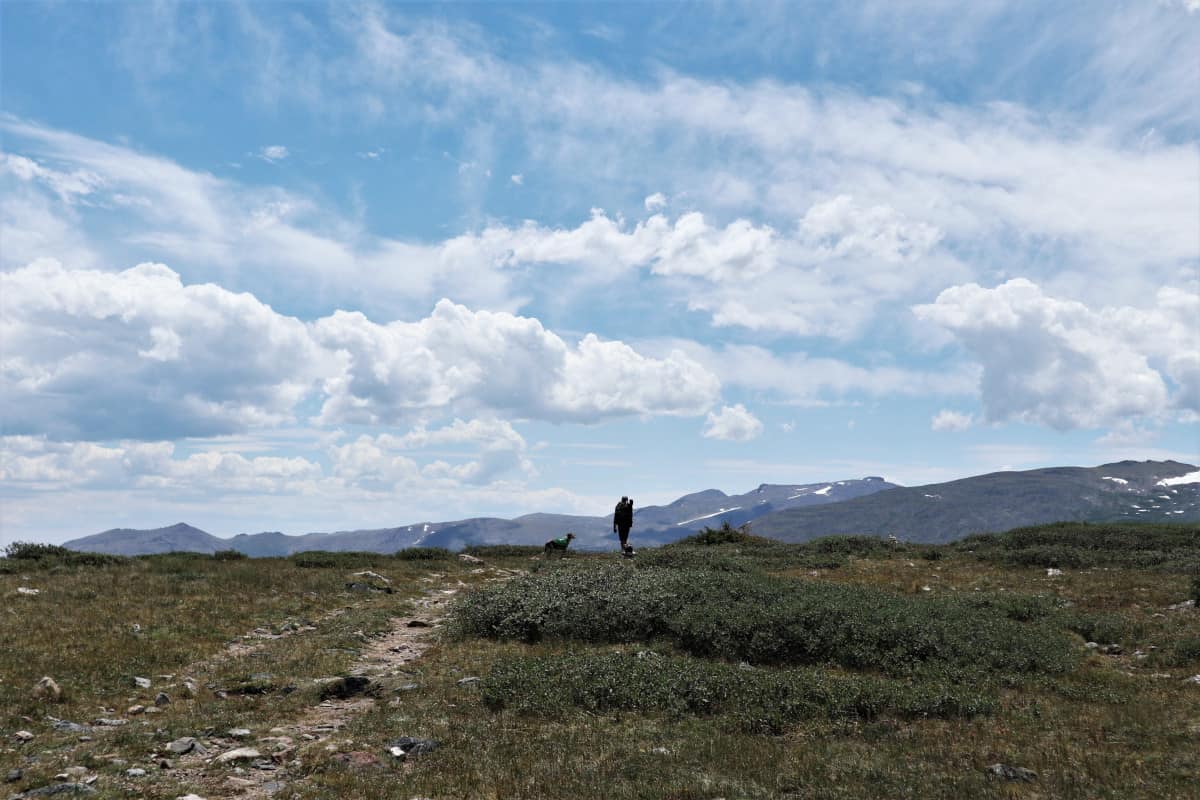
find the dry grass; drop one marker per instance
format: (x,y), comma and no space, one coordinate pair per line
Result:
(1108,729)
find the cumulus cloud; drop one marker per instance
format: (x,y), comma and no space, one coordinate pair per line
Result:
(840,227)
(947,420)
(273,153)
(732,423)
(517,178)
(34,462)
(138,354)
(655,202)
(460,359)
(1059,363)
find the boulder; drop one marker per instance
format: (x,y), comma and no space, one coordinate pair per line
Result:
(1009,773)
(239,754)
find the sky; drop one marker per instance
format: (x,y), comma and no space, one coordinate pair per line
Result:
(315,267)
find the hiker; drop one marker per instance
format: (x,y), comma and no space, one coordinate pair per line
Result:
(560,544)
(622,522)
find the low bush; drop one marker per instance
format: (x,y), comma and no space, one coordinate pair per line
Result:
(1080,545)
(1100,627)
(1184,652)
(757,700)
(726,534)
(424,554)
(228,555)
(33,555)
(350,559)
(1196,590)
(503,550)
(745,616)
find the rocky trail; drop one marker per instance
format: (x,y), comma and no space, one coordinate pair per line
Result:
(241,763)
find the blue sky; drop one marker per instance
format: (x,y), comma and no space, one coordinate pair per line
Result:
(309,267)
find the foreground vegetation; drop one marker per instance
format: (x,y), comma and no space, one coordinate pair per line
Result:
(721,666)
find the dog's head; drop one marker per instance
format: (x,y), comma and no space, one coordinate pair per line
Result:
(570,536)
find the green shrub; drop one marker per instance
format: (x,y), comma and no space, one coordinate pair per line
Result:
(228,555)
(424,554)
(503,550)
(1196,590)
(1079,545)
(746,616)
(34,555)
(1102,628)
(932,554)
(326,559)
(757,700)
(726,534)
(1185,652)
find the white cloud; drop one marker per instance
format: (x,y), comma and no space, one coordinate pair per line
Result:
(34,462)
(841,227)
(517,178)
(273,153)
(655,202)
(947,420)
(136,354)
(457,359)
(732,423)
(1059,363)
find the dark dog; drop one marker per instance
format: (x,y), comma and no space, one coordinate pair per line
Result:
(560,544)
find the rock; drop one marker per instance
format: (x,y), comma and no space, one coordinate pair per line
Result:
(106,722)
(408,687)
(190,688)
(135,772)
(372,575)
(470,559)
(1008,773)
(661,751)
(25,590)
(186,744)
(1051,572)
(142,683)
(23,736)
(55,789)
(162,699)
(135,710)
(1194,679)
(366,587)
(69,727)
(419,623)
(237,733)
(1091,645)
(345,687)
(13,776)
(239,754)
(189,797)
(1184,606)
(47,689)
(467,681)
(1111,649)
(407,746)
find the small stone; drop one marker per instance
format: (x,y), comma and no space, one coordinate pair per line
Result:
(47,689)
(661,751)
(470,559)
(1009,773)
(162,699)
(189,797)
(135,772)
(23,736)
(13,776)
(25,590)
(408,687)
(372,575)
(182,745)
(1051,572)
(468,681)
(190,688)
(1111,649)
(1194,679)
(239,754)
(134,710)
(237,733)
(153,710)
(106,722)
(408,746)
(1091,645)
(142,683)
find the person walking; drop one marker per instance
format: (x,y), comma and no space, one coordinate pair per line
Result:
(622,522)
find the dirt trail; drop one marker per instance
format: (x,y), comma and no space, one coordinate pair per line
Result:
(388,656)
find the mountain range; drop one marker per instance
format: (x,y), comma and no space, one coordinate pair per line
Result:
(1160,491)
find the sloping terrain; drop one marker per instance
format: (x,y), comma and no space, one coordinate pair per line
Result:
(1150,491)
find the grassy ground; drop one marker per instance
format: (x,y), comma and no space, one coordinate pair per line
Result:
(560,715)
